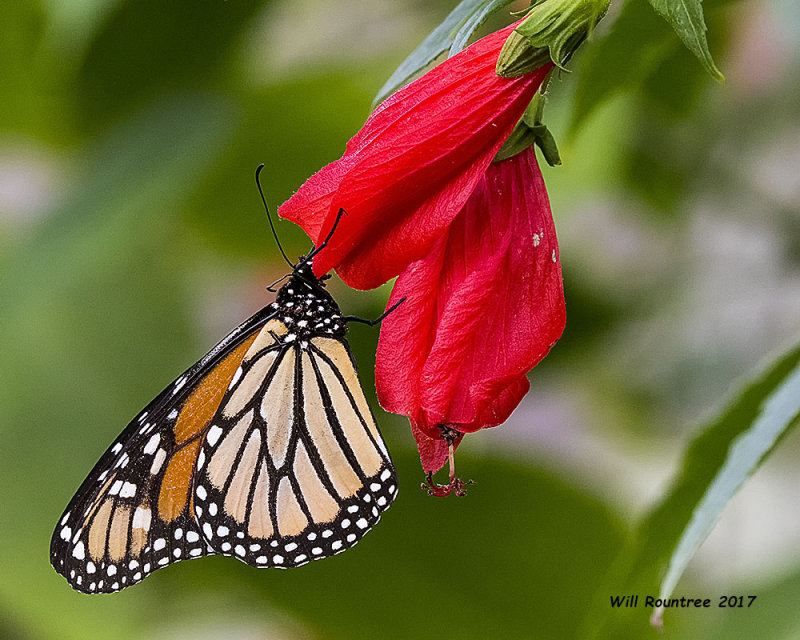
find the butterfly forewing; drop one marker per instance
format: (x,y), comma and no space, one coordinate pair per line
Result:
(293,467)
(133,514)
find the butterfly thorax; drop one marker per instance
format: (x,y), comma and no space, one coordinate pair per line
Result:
(307,309)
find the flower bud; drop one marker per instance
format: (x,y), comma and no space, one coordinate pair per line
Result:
(553,30)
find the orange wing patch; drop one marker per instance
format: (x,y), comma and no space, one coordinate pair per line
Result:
(194,417)
(177,480)
(204,401)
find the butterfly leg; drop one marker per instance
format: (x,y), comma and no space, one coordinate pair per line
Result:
(377,320)
(324,243)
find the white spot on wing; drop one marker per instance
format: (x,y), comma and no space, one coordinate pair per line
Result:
(128,490)
(213,435)
(158,460)
(152,444)
(235,379)
(179,384)
(141,518)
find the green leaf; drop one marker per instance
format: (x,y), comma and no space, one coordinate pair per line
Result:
(452,34)
(621,60)
(473,23)
(686,17)
(715,466)
(777,412)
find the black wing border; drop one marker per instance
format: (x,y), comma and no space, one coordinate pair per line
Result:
(158,408)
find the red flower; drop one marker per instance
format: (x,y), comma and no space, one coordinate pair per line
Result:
(411,168)
(473,244)
(481,309)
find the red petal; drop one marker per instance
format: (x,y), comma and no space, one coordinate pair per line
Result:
(416,160)
(482,309)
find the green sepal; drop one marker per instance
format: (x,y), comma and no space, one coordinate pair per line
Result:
(531,130)
(518,57)
(553,30)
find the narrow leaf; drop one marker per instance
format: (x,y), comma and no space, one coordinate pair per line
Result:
(458,26)
(474,23)
(716,464)
(686,17)
(779,411)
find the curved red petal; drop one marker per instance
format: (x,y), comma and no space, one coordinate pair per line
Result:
(409,170)
(482,308)
(433,452)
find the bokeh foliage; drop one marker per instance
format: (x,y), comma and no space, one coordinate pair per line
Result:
(142,123)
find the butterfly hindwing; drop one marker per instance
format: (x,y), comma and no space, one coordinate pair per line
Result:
(293,467)
(132,515)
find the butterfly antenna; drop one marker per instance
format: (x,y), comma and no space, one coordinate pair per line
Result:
(269,217)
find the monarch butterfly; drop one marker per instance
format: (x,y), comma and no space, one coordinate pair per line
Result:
(265,449)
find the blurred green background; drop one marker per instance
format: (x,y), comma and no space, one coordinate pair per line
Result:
(132,239)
